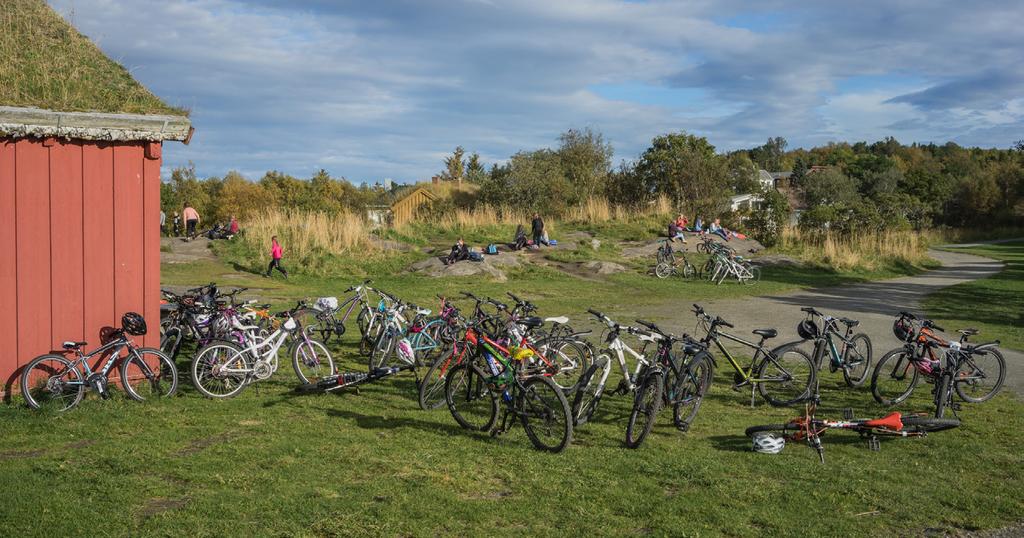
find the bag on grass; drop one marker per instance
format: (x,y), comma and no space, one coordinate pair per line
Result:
(476,257)
(492,249)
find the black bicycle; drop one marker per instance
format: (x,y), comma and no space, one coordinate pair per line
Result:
(975,373)
(53,382)
(847,351)
(670,380)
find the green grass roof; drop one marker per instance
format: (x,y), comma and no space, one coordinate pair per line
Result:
(46,63)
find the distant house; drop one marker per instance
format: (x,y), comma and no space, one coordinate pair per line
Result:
(409,203)
(80,152)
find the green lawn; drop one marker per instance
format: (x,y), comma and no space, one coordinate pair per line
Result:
(275,463)
(995,305)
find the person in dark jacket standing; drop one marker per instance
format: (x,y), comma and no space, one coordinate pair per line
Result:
(537,228)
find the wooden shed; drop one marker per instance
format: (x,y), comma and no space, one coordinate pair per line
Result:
(80,155)
(408,205)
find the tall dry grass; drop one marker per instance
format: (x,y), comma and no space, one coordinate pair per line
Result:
(866,251)
(309,234)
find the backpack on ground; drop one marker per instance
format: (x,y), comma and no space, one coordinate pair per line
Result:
(492,249)
(476,257)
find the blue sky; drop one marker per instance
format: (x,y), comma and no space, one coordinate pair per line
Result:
(368,90)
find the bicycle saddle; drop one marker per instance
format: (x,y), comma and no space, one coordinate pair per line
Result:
(74,345)
(893,421)
(530,321)
(766,333)
(850,322)
(561,320)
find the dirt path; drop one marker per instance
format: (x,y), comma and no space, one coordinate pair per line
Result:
(874,304)
(184,251)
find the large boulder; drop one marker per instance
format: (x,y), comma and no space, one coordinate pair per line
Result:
(434,267)
(603,268)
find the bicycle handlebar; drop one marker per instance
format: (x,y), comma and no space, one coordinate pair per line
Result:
(720,321)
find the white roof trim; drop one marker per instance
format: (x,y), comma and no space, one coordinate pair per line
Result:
(18,122)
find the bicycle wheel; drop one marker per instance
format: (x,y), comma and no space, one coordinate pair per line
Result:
(311,361)
(591,386)
(754,277)
(894,377)
(707,272)
(689,393)
(382,350)
(428,343)
(646,406)
(52,383)
(689,271)
(545,414)
(785,375)
(363,320)
(942,394)
(980,376)
(472,403)
(373,331)
(662,270)
(928,424)
(170,341)
(220,370)
(857,360)
(149,373)
(568,360)
(431,393)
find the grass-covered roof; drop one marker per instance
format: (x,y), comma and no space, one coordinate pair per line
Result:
(46,63)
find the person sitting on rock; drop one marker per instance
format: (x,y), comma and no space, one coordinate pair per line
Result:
(717,229)
(520,241)
(459,252)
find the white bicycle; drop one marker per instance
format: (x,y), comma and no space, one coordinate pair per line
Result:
(592,383)
(725,265)
(223,369)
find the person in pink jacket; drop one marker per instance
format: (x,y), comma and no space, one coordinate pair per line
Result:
(276,252)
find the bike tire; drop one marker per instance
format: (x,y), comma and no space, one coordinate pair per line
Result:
(148,373)
(545,414)
(928,424)
(170,341)
(646,406)
(311,361)
(662,270)
(755,275)
(689,393)
(471,402)
(962,383)
(203,371)
(942,394)
(857,377)
(689,271)
(35,384)
(894,378)
(382,350)
(590,390)
(431,389)
(794,371)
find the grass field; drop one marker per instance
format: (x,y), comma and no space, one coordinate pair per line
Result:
(275,463)
(995,305)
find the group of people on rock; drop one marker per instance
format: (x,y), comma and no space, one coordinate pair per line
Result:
(678,227)
(460,251)
(192,219)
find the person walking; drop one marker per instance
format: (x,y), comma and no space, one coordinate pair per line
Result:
(176,225)
(537,228)
(276,252)
(191,217)
(163,222)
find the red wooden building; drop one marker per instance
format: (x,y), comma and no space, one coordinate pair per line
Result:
(79,209)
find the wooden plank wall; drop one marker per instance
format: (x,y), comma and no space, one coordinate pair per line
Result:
(80,223)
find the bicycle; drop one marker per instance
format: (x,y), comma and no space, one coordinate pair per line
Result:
(55,383)
(322,316)
(976,373)
(854,357)
(725,263)
(810,429)
(223,369)
(668,380)
(782,375)
(667,264)
(594,379)
(473,396)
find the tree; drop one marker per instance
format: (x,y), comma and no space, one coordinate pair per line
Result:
(766,223)
(799,171)
(829,187)
(475,171)
(686,169)
(455,169)
(770,155)
(743,173)
(586,161)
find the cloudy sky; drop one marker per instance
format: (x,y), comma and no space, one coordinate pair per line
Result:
(375,89)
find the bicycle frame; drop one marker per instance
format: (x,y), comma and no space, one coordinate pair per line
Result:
(115,347)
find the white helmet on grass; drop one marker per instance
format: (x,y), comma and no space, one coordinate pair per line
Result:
(768,442)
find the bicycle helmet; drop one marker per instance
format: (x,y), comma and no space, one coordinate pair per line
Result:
(768,442)
(807,329)
(133,324)
(903,329)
